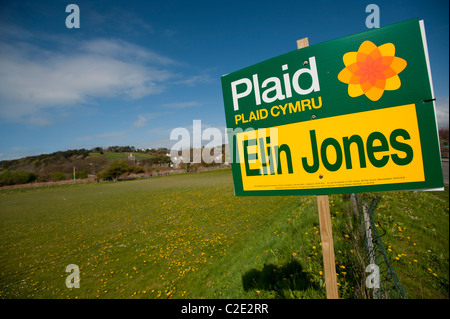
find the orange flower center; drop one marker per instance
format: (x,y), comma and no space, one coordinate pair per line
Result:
(371,70)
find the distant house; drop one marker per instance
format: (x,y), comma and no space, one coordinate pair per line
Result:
(131,159)
(176,161)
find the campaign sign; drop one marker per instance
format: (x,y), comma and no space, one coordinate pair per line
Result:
(355,114)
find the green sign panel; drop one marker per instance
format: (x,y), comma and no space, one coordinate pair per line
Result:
(354,114)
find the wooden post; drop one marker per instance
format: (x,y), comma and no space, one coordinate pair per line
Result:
(302,43)
(326,235)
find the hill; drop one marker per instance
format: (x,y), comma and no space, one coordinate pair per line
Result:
(61,165)
(102,163)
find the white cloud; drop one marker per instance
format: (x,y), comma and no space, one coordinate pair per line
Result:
(144,118)
(195,79)
(35,80)
(141,121)
(124,50)
(181,105)
(442,111)
(20,152)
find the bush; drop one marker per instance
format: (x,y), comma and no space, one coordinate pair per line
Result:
(138,170)
(58,176)
(104,174)
(81,174)
(10,177)
(115,169)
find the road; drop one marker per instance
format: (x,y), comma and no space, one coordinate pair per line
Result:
(445,170)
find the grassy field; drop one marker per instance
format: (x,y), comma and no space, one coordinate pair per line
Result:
(188,236)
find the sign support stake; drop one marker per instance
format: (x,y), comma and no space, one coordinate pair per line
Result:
(326,235)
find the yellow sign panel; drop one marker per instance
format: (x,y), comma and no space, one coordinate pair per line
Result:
(368,148)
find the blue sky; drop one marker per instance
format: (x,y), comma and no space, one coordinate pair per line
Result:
(135,70)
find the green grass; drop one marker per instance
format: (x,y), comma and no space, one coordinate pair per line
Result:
(188,236)
(417,240)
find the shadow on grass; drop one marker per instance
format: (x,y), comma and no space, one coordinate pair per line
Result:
(282,279)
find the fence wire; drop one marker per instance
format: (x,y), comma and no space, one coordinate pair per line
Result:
(389,283)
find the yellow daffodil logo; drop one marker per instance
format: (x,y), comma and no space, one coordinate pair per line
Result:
(372,70)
